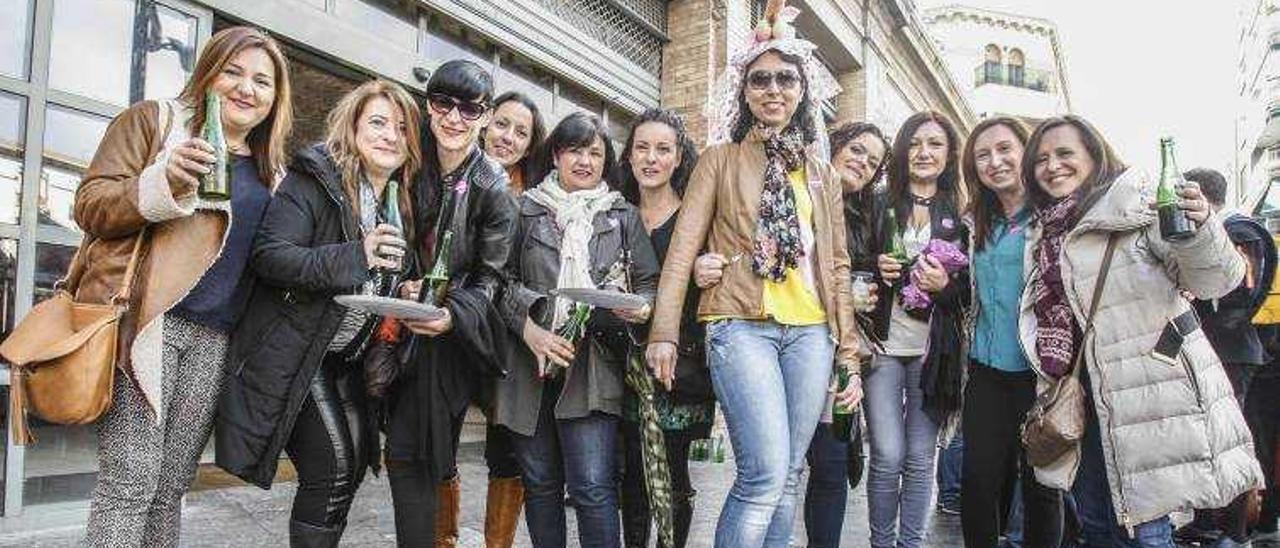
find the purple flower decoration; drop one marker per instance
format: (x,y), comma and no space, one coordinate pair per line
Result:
(945,253)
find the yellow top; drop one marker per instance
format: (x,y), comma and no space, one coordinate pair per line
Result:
(789,302)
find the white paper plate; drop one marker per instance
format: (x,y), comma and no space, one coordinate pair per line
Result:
(389,307)
(603,298)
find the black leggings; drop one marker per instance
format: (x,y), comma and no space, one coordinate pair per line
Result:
(635,500)
(995,403)
(413,499)
(326,446)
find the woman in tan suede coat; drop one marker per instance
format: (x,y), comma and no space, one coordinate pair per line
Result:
(190,287)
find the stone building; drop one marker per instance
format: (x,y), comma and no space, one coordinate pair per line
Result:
(1257,116)
(1008,64)
(68,66)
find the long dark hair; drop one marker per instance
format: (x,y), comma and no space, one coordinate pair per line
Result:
(984,204)
(579,129)
(799,120)
(1107,164)
(949,191)
(688,154)
(536,134)
(842,134)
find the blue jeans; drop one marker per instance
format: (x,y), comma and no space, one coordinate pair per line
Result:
(1093,498)
(828,491)
(579,454)
(950,472)
(903,443)
(771,381)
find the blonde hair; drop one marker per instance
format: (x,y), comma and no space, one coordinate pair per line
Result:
(267,140)
(340,140)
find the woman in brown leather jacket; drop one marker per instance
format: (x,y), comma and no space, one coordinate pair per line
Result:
(191,284)
(762,197)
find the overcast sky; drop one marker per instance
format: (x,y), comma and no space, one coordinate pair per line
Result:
(1142,68)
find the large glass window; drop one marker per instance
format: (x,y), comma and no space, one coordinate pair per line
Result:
(13,111)
(385,19)
(70,139)
(15,37)
(95,46)
(8,284)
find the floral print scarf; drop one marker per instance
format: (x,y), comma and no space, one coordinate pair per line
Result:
(778,246)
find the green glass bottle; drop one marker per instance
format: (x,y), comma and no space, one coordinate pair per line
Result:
(897,250)
(1174,224)
(215,186)
(436,285)
(390,214)
(841,416)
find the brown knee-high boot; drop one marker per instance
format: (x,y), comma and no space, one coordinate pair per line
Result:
(502,510)
(448,506)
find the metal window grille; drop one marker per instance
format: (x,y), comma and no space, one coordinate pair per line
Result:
(635,29)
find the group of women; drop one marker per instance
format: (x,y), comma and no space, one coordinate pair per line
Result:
(984,253)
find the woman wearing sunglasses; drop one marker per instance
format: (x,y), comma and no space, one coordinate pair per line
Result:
(762,197)
(464,218)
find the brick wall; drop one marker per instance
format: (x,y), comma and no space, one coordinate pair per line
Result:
(689,60)
(851,104)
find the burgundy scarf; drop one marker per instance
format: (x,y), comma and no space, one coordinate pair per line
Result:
(1056,329)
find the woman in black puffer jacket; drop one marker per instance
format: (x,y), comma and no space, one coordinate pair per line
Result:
(293,383)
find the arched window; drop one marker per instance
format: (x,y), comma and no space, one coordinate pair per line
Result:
(991,67)
(1017,68)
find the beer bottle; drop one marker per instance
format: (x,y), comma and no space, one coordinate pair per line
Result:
(897,250)
(436,285)
(215,186)
(841,416)
(1174,224)
(390,214)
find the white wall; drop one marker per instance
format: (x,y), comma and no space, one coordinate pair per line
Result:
(963,44)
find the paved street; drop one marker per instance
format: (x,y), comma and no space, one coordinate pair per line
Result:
(247,516)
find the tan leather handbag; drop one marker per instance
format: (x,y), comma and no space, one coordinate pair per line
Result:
(1056,421)
(62,356)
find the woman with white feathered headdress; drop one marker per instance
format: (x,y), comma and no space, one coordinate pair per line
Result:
(763,197)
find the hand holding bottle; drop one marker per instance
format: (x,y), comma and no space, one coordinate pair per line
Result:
(383,247)
(189,161)
(546,345)
(890,268)
(1191,201)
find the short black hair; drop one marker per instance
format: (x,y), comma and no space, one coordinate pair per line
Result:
(1212,184)
(688,154)
(576,130)
(462,79)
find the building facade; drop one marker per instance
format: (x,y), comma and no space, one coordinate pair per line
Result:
(1257,151)
(68,66)
(1008,64)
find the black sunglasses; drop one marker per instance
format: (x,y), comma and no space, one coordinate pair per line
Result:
(469,110)
(760,80)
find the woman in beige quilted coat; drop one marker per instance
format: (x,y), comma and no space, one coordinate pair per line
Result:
(1163,432)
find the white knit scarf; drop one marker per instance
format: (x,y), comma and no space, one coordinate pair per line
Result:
(574,213)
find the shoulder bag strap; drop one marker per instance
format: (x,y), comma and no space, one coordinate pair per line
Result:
(1097,297)
(71,281)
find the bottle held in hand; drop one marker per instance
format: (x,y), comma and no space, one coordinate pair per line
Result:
(215,186)
(1174,224)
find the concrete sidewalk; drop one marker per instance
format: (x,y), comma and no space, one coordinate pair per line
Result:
(248,516)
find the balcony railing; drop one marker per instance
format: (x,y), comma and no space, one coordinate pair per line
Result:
(1013,76)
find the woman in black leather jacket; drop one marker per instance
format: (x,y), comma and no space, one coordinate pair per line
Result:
(462,192)
(292,383)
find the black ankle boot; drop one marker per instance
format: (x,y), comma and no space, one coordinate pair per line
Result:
(682,518)
(306,535)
